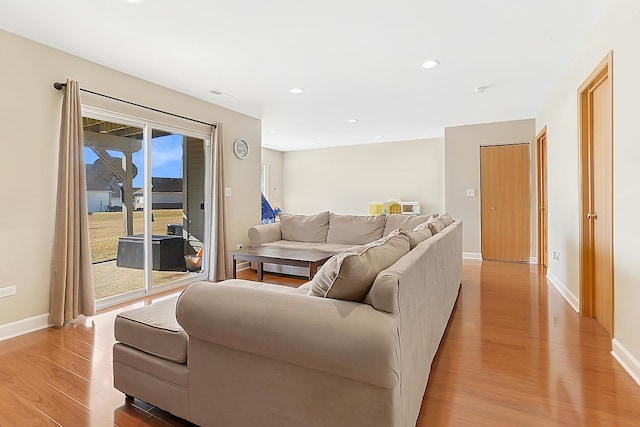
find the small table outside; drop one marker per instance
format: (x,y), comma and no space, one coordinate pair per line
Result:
(309,258)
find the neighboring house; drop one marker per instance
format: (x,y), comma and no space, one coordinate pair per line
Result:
(166,193)
(102,195)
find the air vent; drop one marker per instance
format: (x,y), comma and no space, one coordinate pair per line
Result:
(218,92)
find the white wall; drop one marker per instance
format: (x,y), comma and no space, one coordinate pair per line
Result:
(345,179)
(274,159)
(30,122)
(462,154)
(619,30)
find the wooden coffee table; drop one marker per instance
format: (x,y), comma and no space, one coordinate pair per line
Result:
(309,258)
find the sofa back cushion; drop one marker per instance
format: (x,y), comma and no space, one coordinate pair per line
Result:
(354,229)
(406,222)
(304,228)
(350,274)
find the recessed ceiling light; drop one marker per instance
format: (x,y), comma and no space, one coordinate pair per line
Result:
(296,90)
(352,120)
(379,136)
(272,130)
(481,89)
(133,1)
(430,63)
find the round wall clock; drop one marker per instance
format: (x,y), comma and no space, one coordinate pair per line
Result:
(241,148)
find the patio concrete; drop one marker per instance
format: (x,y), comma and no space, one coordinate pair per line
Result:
(110,280)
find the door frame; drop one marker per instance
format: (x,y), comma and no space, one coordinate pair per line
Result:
(541,193)
(602,72)
(147,126)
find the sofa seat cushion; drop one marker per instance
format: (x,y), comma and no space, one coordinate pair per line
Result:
(355,229)
(335,247)
(287,244)
(350,274)
(153,329)
(263,286)
(325,247)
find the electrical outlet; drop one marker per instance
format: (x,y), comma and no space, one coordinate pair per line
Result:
(239,246)
(555,255)
(8,291)
(227,191)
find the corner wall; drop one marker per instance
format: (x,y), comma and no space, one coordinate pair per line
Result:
(619,31)
(30,128)
(345,179)
(462,172)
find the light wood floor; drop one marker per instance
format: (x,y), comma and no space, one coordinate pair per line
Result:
(515,354)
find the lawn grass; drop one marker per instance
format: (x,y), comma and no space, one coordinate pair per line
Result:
(106,227)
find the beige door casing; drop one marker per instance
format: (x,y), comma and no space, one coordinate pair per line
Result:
(595,108)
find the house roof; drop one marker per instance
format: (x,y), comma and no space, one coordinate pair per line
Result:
(164,185)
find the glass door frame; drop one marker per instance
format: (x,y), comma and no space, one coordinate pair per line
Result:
(148,126)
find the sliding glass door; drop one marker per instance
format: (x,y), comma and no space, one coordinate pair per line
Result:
(146,197)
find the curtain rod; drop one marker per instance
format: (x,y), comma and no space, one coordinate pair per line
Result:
(60,86)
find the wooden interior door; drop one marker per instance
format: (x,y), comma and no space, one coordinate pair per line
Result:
(505,202)
(596,137)
(541,156)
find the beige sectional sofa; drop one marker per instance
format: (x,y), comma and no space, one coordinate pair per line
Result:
(326,231)
(242,353)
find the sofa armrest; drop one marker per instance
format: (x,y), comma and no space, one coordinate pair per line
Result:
(339,337)
(264,233)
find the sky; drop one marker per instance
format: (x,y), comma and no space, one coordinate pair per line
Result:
(166,158)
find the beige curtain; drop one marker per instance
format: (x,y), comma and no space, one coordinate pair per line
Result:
(218,256)
(71,287)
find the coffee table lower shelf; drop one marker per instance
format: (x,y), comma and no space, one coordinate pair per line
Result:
(307,258)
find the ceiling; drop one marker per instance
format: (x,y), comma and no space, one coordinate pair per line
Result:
(354,59)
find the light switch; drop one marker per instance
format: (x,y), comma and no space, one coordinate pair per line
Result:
(471,192)
(227,191)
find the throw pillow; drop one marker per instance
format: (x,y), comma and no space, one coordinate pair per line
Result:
(425,225)
(417,236)
(304,228)
(446,219)
(349,275)
(355,229)
(436,226)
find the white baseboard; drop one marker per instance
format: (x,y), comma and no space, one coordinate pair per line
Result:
(24,326)
(471,255)
(626,360)
(533,260)
(564,291)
